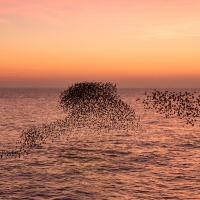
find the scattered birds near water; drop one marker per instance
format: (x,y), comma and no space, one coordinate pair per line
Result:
(96,108)
(185,105)
(90,107)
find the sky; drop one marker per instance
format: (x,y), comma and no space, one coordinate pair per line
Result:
(138,44)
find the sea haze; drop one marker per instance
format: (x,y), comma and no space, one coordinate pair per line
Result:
(160,162)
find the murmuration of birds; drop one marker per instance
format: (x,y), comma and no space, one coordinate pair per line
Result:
(90,107)
(184,105)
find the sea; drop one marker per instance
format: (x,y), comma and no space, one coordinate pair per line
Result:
(161,161)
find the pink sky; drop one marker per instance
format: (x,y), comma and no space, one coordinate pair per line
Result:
(134,43)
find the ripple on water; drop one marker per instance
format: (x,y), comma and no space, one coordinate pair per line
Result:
(161,163)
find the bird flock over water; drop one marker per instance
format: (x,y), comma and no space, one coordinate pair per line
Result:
(96,108)
(90,107)
(184,105)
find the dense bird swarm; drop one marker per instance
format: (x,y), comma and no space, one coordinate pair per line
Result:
(184,105)
(90,107)
(97,105)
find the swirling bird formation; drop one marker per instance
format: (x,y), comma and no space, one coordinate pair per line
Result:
(90,107)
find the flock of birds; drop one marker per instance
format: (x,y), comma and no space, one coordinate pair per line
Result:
(184,105)
(90,107)
(95,107)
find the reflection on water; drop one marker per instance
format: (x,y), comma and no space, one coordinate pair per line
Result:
(161,163)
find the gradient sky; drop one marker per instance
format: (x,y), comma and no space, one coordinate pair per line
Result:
(135,43)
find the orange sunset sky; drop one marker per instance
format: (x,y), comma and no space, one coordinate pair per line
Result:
(135,43)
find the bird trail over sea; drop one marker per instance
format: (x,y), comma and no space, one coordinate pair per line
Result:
(96,108)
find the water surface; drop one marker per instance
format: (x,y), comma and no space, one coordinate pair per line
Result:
(161,163)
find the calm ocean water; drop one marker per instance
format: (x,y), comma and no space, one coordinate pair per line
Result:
(161,163)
